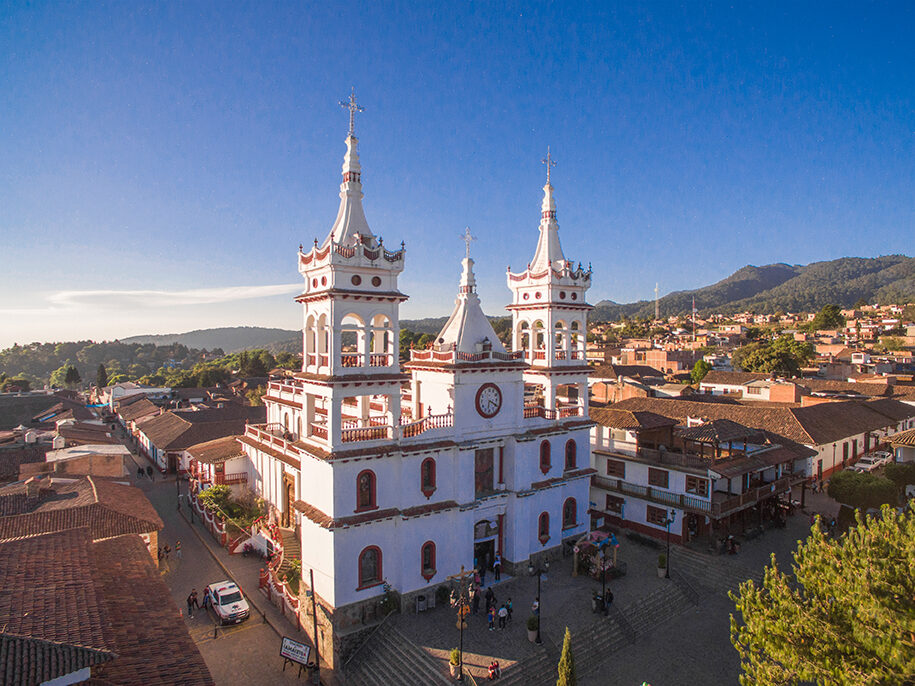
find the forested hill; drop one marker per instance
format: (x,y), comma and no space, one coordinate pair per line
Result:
(785,287)
(231,339)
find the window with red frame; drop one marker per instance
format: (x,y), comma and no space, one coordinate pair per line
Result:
(543,527)
(428,560)
(427,476)
(569,513)
(370,566)
(545,457)
(571,454)
(365,490)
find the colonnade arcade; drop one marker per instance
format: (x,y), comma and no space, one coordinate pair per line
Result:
(567,341)
(360,342)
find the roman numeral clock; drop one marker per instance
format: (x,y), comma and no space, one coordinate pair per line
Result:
(489,400)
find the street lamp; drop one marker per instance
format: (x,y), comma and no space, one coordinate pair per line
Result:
(541,571)
(670,520)
(603,578)
(463,610)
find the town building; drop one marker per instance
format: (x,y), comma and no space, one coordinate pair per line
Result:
(393,480)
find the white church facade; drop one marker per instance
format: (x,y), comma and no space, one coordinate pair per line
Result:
(402,474)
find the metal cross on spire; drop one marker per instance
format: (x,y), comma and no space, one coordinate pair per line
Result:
(353,108)
(549,162)
(467,237)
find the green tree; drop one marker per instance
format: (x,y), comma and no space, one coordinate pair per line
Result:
(829,317)
(567,663)
(217,497)
(255,395)
(101,376)
(288,360)
(72,378)
(862,489)
(700,369)
(902,474)
(845,616)
(892,343)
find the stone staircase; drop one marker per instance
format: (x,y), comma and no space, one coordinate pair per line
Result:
(716,573)
(388,657)
(536,670)
(292,550)
(657,607)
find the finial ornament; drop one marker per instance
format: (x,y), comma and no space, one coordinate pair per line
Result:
(549,162)
(467,237)
(353,108)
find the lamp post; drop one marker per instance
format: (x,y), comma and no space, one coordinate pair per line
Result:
(540,572)
(670,520)
(461,614)
(603,578)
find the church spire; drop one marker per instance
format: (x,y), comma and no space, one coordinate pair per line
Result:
(549,251)
(351,226)
(468,328)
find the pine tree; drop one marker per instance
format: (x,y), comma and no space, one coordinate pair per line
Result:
(72,377)
(567,663)
(844,617)
(101,376)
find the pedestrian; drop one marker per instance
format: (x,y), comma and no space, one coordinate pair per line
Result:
(491,616)
(194,598)
(161,554)
(490,598)
(482,576)
(166,550)
(178,549)
(475,601)
(476,578)
(535,606)
(139,472)
(497,567)
(190,605)
(149,472)
(508,606)
(206,598)
(609,598)
(503,616)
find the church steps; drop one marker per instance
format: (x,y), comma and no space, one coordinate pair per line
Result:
(391,658)
(713,572)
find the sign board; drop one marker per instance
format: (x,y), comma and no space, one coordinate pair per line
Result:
(295,651)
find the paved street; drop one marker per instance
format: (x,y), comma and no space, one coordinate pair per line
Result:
(243,654)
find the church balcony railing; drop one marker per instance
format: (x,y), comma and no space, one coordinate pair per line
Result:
(274,435)
(451,355)
(371,421)
(231,479)
(365,433)
(379,360)
(433,421)
(319,431)
(351,360)
(540,354)
(574,355)
(531,411)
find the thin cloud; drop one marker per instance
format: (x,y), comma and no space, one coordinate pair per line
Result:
(162,298)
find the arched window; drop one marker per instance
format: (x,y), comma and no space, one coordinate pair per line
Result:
(365,490)
(543,527)
(427,557)
(569,513)
(545,457)
(427,476)
(286,420)
(370,567)
(571,454)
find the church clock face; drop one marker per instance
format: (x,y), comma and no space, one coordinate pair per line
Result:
(489,400)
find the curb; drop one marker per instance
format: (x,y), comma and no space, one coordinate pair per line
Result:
(249,597)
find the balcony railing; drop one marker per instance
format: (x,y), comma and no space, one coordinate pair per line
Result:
(451,355)
(713,507)
(231,479)
(433,421)
(365,433)
(531,411)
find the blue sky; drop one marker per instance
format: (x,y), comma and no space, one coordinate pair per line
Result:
(154,156)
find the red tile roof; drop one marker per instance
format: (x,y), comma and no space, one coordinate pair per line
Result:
(217,451)
(106,508)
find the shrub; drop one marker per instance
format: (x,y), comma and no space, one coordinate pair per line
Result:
(455,656)
(533,622)
(662,561)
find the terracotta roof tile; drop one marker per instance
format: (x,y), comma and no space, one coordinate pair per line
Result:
(217,451)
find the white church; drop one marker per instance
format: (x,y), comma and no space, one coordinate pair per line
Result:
(402,474)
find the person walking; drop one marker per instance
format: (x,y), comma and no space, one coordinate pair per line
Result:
(475,601)
(190,604)
(178,549)
(482,576)
(497,567)
(149,472)
(166,550)
(491,616)
(206,599)
(503,617)
(535,606)
(490,598)
(508,606)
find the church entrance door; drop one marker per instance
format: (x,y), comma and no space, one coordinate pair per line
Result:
(484,552)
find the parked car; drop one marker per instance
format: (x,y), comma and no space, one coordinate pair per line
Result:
(884,456)
(868,463)
(228,603)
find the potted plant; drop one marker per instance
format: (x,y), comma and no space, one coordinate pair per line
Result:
(455,662)
(533,623)
(662,565)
